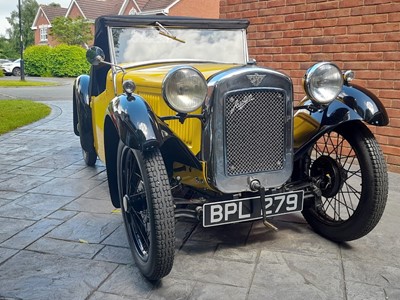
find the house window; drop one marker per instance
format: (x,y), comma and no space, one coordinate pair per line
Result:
(133,11)
(43,34)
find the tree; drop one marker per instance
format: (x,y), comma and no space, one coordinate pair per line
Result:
(29,9)
(71,31)
(6,49)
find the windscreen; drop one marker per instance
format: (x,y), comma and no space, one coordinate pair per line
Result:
(157,43)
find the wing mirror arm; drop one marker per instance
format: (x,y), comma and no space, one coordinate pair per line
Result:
(95,56)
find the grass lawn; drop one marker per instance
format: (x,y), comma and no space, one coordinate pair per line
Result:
(17,113)
(17,83)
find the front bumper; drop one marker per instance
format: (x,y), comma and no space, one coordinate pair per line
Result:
(7,70)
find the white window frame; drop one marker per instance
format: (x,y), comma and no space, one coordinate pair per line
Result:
(43,34)
(133,11)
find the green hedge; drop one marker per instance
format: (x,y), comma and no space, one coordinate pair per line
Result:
(37,61)
(60,61)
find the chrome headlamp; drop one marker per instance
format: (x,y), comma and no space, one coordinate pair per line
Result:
(323,82)
(129,86)
(184,89)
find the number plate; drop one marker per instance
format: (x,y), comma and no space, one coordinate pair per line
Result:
(247,209)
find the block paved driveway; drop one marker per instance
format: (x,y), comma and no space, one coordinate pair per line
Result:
(61,239)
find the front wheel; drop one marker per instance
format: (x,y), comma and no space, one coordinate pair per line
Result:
(16,71)
(350,169)
(89,157)
(147,209)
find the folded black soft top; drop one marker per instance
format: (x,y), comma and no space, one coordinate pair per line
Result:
(101,35)
(103,22)
(190,22)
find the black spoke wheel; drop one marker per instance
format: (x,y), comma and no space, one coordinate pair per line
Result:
(147,209)
(350,170)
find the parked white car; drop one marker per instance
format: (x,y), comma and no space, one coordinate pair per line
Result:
(12,68)
(4,61)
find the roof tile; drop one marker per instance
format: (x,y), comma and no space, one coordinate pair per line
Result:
(53,11)
(157,4)
(96,8)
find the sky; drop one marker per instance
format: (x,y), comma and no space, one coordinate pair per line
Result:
(7,6)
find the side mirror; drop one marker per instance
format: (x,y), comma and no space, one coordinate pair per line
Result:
(95,55)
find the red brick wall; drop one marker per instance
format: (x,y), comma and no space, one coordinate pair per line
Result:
(42,20)
(74,12)
(196,8)
(362,35)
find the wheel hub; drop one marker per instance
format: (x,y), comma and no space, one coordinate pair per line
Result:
(330,175)
(125,201)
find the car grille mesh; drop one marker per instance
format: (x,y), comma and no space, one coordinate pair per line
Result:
(254,131)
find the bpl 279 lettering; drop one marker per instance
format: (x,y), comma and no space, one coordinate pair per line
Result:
(234,211)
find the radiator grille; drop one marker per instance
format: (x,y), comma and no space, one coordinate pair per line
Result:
(254,131)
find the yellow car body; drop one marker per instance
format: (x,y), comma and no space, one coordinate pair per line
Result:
(148,82)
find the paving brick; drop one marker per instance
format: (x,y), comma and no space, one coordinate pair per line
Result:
(73,249)
(89,227)
(127,281)
(30,275)
(10,227)
(287,274)
(30,234)
(33,206)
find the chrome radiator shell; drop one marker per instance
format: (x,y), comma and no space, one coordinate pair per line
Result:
(248,134)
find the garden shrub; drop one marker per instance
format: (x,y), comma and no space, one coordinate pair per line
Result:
(60,61)
(69,61)
(37,61)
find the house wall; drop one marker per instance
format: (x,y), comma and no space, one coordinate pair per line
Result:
(128,7)
(42,20)
(362,35)
(196,8)
(74,12)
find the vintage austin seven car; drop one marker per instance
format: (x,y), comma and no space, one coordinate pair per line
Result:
(189,127)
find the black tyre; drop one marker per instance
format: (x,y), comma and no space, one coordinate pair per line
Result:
(351,170)
(147,209)
(74,113)
(89,157)
(16,71)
